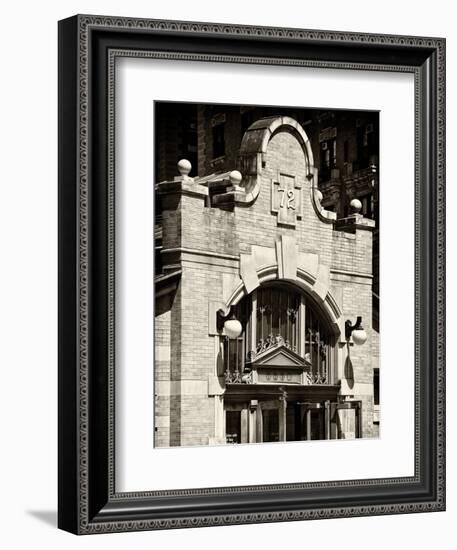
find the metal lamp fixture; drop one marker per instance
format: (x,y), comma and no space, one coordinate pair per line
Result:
(232,328)
(359,336)
(229,324)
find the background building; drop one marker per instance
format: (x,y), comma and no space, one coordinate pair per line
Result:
(278,247)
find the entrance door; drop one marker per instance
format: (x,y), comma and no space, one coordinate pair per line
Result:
(236,423)
(295,422)
(271,421)
(312,421)
(233,426)
(350,419)
(315,426)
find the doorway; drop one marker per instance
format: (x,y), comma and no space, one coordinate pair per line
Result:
(306,421)
(273,420)
(233,426)
(299,422)
(270,425)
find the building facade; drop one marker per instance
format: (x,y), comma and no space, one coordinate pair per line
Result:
(345,145)
(257,287)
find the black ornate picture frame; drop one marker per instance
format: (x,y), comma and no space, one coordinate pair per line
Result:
(88,47)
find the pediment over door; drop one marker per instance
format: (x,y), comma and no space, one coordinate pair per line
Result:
(276,355)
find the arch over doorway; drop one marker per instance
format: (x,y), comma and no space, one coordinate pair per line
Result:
(280,315)
(305,282)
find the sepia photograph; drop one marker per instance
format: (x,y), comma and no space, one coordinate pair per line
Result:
(266,274)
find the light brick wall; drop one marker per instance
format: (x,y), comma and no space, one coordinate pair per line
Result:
(258,225)
(162,364)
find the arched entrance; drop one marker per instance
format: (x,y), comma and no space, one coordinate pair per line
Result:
(280,374)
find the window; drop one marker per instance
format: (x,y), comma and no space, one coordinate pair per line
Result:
(279,313)
(316,346)
(247,118)
(376,386)
(346,151)
(367,205)
(327,158)
(218,140)
(367,145)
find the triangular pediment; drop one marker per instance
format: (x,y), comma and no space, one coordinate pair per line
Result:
(277,356)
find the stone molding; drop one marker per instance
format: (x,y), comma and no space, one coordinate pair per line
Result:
(284,263)
(252,157)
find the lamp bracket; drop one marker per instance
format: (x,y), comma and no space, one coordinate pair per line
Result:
(349,327)
(222,315)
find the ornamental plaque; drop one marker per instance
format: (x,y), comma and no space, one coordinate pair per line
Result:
(272,376)
(286,199)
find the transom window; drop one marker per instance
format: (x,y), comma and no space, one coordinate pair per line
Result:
(275,314)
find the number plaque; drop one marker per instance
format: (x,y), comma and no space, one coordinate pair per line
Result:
(286,199)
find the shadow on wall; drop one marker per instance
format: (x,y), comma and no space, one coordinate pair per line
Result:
(349,373)
(220,363)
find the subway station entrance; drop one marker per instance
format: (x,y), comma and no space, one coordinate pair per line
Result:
(280,395)
(286,413)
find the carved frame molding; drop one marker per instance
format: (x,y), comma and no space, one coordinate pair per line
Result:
(88,46)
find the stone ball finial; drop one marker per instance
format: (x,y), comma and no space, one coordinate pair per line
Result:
(356,205)
(184,167)
(235,177)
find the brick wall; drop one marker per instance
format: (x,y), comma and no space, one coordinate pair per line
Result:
(258,225)
(162,364)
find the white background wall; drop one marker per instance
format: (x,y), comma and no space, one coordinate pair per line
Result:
(28,301)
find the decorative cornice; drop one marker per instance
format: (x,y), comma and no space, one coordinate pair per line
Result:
(357,274)
(229,29)
(197,252)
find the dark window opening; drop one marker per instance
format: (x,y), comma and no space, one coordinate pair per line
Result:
(376,386)
(218,140)
(189,140)
(367,206)
(247,118)
(367,145)
(327,158)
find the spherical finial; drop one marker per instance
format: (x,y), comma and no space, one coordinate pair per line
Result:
(184,167)
(235,177)
(356,205)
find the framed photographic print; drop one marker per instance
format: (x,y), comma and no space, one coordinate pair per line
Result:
(251,274)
